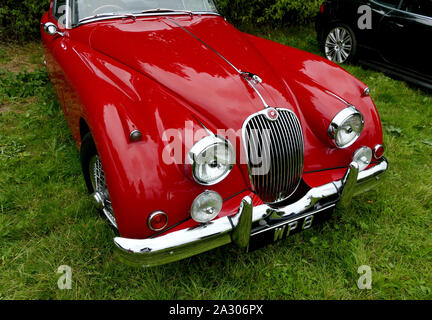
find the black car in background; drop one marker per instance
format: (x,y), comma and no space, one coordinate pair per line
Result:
(393,36)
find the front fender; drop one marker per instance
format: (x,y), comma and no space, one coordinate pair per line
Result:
(142,177)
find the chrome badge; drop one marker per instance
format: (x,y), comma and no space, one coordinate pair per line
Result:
(272,114)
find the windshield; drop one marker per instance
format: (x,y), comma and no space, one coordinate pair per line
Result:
(90,8)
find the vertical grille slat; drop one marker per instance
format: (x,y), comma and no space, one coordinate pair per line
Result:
(266,153)
(300,146)
(293,152)
(282,161)
(287,169)
(282,153)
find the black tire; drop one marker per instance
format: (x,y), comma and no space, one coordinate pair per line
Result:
(89,155)
(327,42)
(88,151)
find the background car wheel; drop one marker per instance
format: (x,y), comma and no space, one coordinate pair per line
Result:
(95,178)
(339,44)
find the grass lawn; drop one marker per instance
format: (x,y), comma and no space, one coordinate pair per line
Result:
(47,220)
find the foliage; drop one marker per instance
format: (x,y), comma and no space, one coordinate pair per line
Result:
(19,20)
(281,12)
(23,84)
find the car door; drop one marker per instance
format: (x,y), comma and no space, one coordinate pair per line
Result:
(418,29)
(54,50)
(380,9)
(393,37)
(405,35)
(61,48)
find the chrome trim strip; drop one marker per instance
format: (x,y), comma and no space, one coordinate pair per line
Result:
(339,98)
(398,9)
(192,241)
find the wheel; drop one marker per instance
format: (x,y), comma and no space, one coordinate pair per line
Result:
(95,178)
(340,44)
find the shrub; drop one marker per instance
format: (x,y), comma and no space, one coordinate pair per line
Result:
(23,84)
(281,12)
(19,20)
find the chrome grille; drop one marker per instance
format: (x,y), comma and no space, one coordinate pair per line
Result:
(275,153)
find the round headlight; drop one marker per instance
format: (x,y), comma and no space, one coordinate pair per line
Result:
(363,157)
(346,127)
(206,207)
(211,160)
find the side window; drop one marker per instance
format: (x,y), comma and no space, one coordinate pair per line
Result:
(390,3)
(59,9)
(422,7)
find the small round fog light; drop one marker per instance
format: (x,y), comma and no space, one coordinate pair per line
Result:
(363,157)
(206,207)
(157,221)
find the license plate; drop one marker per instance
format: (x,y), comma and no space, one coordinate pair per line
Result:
(280,231)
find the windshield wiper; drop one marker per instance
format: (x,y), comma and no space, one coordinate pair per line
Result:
(166,10)
(112,14)
(132,15)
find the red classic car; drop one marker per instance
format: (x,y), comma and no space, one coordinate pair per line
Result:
(194,135)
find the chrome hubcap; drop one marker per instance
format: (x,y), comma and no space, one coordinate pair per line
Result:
(338,45)
(101,196)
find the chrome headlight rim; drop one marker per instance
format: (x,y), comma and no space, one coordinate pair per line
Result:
(202,146)
(339,120)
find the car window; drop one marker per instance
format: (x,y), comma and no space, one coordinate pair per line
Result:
(422,7)
(390,3)
(97,7)
(59,9)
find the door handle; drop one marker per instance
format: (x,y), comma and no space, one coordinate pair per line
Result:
(396,24)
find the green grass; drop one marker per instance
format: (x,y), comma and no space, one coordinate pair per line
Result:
(46,219)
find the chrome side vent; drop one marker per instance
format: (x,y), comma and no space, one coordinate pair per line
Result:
(274,145)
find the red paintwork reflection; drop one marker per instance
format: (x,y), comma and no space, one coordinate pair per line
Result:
(149,74)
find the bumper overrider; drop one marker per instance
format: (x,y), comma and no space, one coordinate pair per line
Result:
(250,222)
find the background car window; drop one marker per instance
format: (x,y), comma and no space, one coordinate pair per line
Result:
(423,7)
(390,3)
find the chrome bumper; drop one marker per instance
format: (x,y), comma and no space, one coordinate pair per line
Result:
(185,243)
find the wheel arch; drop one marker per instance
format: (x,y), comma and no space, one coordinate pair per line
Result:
(84,128)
